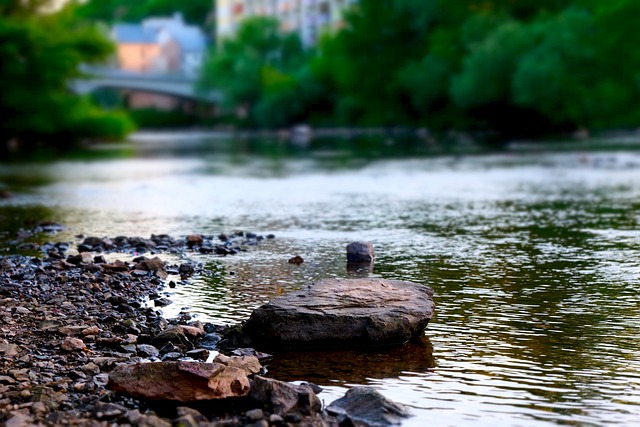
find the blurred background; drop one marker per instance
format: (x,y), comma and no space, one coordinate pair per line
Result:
(488,149)
(494,70)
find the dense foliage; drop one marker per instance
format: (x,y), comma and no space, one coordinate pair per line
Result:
(517,67)
(197,12)
(260,72)
(39,54)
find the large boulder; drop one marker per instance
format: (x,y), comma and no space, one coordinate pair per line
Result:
(342,313)
(184,381)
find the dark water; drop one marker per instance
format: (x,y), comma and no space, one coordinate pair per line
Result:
(534,257)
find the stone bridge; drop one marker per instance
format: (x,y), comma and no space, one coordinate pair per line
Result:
(177,85)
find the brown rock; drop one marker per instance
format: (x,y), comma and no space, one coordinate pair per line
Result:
(339,313)
(296,260)
(115,266)
(249,364)
(194,240)
(19,419)
(92,330)
(73,344)
(180,335)
(81,258)
(72,330)
(153,264)
(9,350)
(179,381)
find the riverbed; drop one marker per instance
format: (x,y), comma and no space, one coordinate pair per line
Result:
(533,255)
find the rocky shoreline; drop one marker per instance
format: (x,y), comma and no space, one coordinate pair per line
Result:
(68,321)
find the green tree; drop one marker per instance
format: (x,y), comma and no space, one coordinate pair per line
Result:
(40,53)
(559,75)
(257,65)
(197,12)
(363,61)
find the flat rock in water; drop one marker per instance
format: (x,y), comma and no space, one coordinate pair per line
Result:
(342,313)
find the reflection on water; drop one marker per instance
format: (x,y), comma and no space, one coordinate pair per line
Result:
(533,257)
(353,367)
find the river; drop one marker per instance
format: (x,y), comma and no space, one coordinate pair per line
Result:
(534,256)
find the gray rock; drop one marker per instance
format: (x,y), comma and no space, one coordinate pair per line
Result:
(360,252)
(103,410)
(282,397)
(342,313)
(254,414)
(147,350)
(367,407)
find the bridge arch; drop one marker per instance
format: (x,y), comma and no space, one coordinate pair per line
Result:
(179,86)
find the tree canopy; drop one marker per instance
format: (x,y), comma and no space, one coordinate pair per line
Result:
(516,67)
(197,12)
(257,71)
(40,53)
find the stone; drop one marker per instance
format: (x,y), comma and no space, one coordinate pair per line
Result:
(360,252)
(104,410)
(180,335)
(152,421)
(282,398)
(183,411)
(72,329)
(179,381)
(92,330)
(81,258)
(147,350)
(9,350)
(92,241)
(73,344)
(194,240)
(162,302)
(185,269)
(150,264)
(249,364)
(19,420)
(254,414)
(342,313)
(296,260)
(366,406)
(276,419)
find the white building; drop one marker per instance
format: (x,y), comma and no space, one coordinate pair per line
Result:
(309,18)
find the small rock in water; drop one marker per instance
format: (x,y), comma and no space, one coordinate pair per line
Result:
(360,252)
(296,260)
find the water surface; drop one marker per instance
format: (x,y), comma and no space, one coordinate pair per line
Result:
(533,255)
